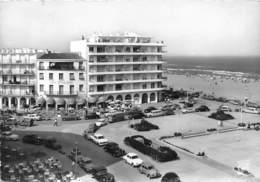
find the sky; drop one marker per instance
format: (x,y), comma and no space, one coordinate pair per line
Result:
(188,27)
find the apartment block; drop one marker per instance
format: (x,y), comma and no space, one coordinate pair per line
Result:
(122,67)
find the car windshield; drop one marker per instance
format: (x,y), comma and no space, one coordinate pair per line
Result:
(100,137)
(134,157)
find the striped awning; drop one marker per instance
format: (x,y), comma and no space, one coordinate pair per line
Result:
(60,101)
(81,101)
(101,99)
(71,101)
(40,101)
(92,100)
(50,101)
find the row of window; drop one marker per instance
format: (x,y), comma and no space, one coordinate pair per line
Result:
(61,76)
(101,88)
(61,88)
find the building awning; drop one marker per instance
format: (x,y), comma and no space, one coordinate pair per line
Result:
(92,100)
(50,101)
(71,101)
(40,101)
(81,101)
(60,101)
(101,99)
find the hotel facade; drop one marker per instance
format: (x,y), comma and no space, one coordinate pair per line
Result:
(122,67)
(18,77)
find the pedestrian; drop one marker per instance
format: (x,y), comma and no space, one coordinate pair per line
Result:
(55,122)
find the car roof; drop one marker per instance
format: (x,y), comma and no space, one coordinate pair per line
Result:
(131,154)
(147,164)
(98,134)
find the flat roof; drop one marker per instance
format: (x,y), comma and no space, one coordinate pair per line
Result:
(60,56)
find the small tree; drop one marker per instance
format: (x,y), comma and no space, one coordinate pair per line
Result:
(170,177)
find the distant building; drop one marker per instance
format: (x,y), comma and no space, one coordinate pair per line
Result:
(17,77)
(122,67)
(61,80)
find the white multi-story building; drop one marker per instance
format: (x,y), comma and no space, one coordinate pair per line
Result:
(61,80)
(122,67)
(17,77)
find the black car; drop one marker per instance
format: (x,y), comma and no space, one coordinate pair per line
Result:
(114,149)
(202,108)
(104,176)
(33,139)
(144,125)
(149,109)
(91,115)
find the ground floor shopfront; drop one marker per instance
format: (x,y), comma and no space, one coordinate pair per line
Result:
(16,102)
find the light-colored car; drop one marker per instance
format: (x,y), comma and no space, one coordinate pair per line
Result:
(35,117)
(225,108)
(251,110)
(188,110)
(8,135)
(133,159)
(149,170)
(154,113)
(99,139)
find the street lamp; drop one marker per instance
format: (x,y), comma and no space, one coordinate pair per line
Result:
(76,156)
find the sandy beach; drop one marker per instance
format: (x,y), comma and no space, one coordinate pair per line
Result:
(221,87)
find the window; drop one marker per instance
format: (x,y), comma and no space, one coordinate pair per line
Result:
(152,85)
(100,88)
(81,88)
(72,76)
(50,76)
(81,76)
(41,88)
(61,89)
(91,49)
(41,76)
(144,86)
(51,89)
(100,78)
(118,87)
(71,89)
(81,66)
(60,76)
(41,67)
(4,78)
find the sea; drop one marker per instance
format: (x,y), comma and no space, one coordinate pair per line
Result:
(231,77)
(249,66)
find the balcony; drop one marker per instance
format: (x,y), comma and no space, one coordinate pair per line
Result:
(18,83)
(19,63)
(22,73)
(124,72)
(108,82)
(62,69)
(126,91)
(59,93)
(16,93)
(126,63)
(124,53)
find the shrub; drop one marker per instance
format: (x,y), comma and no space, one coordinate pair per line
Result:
(221,115)
(170,177)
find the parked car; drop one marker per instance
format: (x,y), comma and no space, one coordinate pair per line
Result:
(155,113)
(251,110)
(133,159)
(225,108)
(33,139)
(149,170)
(35,117)
(98,139)
(144,125)
(8,135)
(187,110)
(149,109)
(91,115)
(114,149)
(202,108)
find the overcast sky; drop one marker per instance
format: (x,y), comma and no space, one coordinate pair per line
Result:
(188,27)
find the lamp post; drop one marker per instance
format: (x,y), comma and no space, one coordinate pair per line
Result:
(76,157)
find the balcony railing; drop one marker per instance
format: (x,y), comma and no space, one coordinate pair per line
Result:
(125,91)
(64,68)
(19,83)
(60,93)
(16,93)
(24,73)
